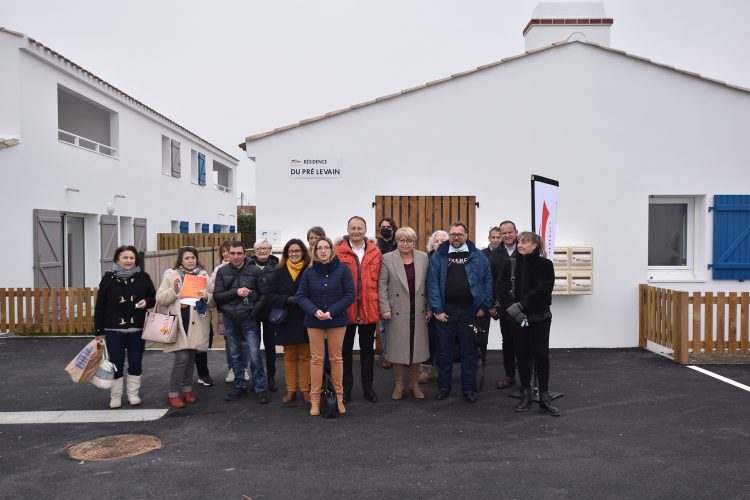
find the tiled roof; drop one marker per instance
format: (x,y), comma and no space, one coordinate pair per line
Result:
(6,143)
(261,135)
(70,65)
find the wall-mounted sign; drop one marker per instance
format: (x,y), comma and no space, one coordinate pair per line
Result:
(302,167)
(272,235)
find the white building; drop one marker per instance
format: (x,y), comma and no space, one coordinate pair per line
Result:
(640,150)
(87,168)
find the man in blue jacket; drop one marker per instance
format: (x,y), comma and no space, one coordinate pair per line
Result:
(459,287)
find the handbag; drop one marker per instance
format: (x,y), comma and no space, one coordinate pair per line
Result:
(84,365)
(277,316)
(104,378)
(329,407)
(160,327)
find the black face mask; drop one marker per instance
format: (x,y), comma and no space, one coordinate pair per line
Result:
(386,232)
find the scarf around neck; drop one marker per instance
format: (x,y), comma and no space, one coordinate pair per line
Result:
(184,271)
(294,269)
(125,273)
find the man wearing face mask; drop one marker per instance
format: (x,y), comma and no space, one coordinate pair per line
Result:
(386,243)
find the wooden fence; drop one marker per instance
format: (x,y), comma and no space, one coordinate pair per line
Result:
(709,327)
(156,262)
(47,310)
(173,241)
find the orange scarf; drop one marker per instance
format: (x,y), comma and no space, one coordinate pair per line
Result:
(294,269)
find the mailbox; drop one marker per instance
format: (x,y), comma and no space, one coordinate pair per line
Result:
(581,282)
(561,257)
(574,271)
(561,284)
(581,257)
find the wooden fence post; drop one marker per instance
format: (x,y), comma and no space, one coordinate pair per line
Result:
(681,327)
(642,294)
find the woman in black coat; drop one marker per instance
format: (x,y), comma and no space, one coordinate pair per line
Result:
(292,333)
(124,294)
(525,291)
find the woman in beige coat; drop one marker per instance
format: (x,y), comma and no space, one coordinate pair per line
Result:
(403,305)
(194,322)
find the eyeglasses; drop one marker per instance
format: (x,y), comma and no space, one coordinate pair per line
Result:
(262,249)
(294,251)
(457,235)
(405,242)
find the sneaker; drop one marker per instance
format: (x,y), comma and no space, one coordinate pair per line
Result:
(235,393)
(230,376)
(207,381)
(263,397)
(247,375)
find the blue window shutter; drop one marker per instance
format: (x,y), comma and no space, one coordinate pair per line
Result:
(217,228)
(731,237)
(232,229)
(204,228)
(184,227)
(201,169)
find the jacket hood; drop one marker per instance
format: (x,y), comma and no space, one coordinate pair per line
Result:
(371,244)
(443,248)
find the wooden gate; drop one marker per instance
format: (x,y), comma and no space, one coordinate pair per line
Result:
(427,214)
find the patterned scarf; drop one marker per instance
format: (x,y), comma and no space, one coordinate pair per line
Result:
(125,273)
(184,271)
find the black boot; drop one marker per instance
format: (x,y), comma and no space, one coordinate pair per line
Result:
(271,382)
(545,405)
(526,399)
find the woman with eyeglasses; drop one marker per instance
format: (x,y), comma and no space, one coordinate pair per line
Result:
(193,319)
(403,306)
(291,333)
(525,293)
(325,292)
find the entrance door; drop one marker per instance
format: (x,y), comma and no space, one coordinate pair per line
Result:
(427,214)
(48,249)
(75,257)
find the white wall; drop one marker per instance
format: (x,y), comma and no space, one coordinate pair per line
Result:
(613,130)
(37,171)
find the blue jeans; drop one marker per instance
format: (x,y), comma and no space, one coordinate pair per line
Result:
(245,355)
(445,339)
(233,332)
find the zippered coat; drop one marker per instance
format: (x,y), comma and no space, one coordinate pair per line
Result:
(477,272)
(365,309)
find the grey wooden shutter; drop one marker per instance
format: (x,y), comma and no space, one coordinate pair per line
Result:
(48,249)
(139,234)
(108,231)
(175,159)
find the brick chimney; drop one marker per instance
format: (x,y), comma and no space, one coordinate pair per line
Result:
(561,21)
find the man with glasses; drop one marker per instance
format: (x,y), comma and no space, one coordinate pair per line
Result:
(263,267)
(459,288)
(235,291)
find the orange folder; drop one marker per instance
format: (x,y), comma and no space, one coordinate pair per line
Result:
(191,285)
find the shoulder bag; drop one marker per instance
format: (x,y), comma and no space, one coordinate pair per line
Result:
(160,327)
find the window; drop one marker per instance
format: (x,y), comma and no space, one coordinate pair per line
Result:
(86,124)
(222,177)
(675,225)
(170,157)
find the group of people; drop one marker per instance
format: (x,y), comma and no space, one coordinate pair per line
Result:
(319,296)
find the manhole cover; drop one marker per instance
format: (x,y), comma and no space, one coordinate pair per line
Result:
(114,447)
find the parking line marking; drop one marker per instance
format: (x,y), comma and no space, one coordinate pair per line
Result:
(719,377)
(79,417)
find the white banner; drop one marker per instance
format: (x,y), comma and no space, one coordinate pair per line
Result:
(544,211)
(302,167)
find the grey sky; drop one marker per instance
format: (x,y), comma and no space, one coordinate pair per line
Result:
(227,69)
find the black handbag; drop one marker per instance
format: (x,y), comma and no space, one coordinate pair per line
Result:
(277,316)
(329,407)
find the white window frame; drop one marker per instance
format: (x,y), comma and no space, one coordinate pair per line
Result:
(695,267)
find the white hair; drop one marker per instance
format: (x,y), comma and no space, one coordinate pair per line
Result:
(260,242)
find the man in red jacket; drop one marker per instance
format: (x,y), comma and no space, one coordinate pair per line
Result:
(363,259)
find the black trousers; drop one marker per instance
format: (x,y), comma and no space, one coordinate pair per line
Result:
(366,354)
(532,345)
(431,329)
(201,358)
(269,346)
(509,352)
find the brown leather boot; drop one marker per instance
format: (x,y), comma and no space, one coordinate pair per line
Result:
(306,396)
(398,376)
(315,404)
(414,381)
(176,402)
(424,374)
(289,397)
(340,401)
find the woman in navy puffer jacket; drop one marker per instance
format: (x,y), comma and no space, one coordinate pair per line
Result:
(324,293)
